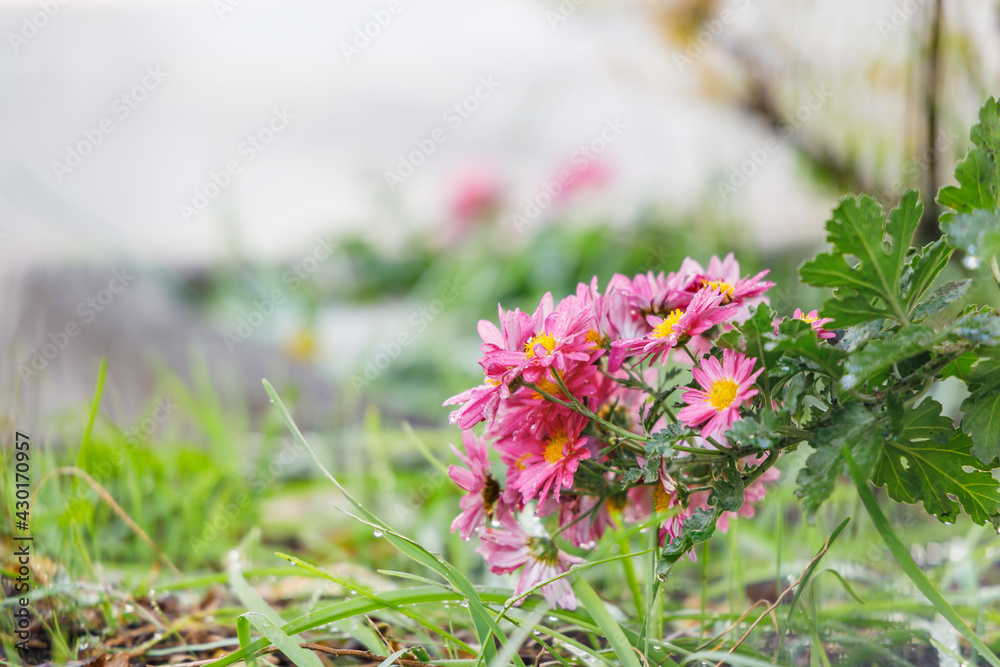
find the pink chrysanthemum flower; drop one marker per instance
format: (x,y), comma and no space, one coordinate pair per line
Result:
(544,467)
(725,387)
(705,311)
(815,321)
(526,410)
(724,276)
(584,531)
(483,491)
(509,547)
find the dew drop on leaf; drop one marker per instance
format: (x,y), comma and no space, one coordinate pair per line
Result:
(971,262)
(378,533)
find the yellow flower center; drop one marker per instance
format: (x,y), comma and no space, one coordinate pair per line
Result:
(519,462)
(549,387)
(723,287)
(594,337)
(723,393)
(666,327)
(661,501)
(547,341)
(554,450)
(808,318)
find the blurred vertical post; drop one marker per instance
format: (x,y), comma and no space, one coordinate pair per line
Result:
(928,230)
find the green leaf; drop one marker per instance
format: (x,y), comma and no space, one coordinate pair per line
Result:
(758,431)
(298,655)
(981,410)
(977,176)
(974,223)
(797,339)
(924,267)
(981,328)
(854,427)
(880,355)
(912,570)
(976,233)
(662,441)
(873,286)
(925,460)
(940,298)
(856,336)
(648,473)
(961,366)
(698,528)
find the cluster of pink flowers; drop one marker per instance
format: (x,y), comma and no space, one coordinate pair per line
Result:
(560,381)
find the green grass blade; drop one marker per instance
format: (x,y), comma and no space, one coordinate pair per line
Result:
(909,567)
(486,626)
(419,618)
(734,659)
(843,582)
(392,658)
(243,634)
(247,595)
(298,655)
(612,631)
(517,639)
(95,403)
(805,580)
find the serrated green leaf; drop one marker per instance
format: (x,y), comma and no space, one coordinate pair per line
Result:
(940,298)
(921,271)
(973,225)
(981,328)
(856,336)
(854,427)
(961,366)
(977,233)
(881,354)
(977,176)
(799,340)
(757,431)
(926,460)
(872,287)
(981,410)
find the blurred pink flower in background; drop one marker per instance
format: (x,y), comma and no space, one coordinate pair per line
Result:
(474,196)
(592,174)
